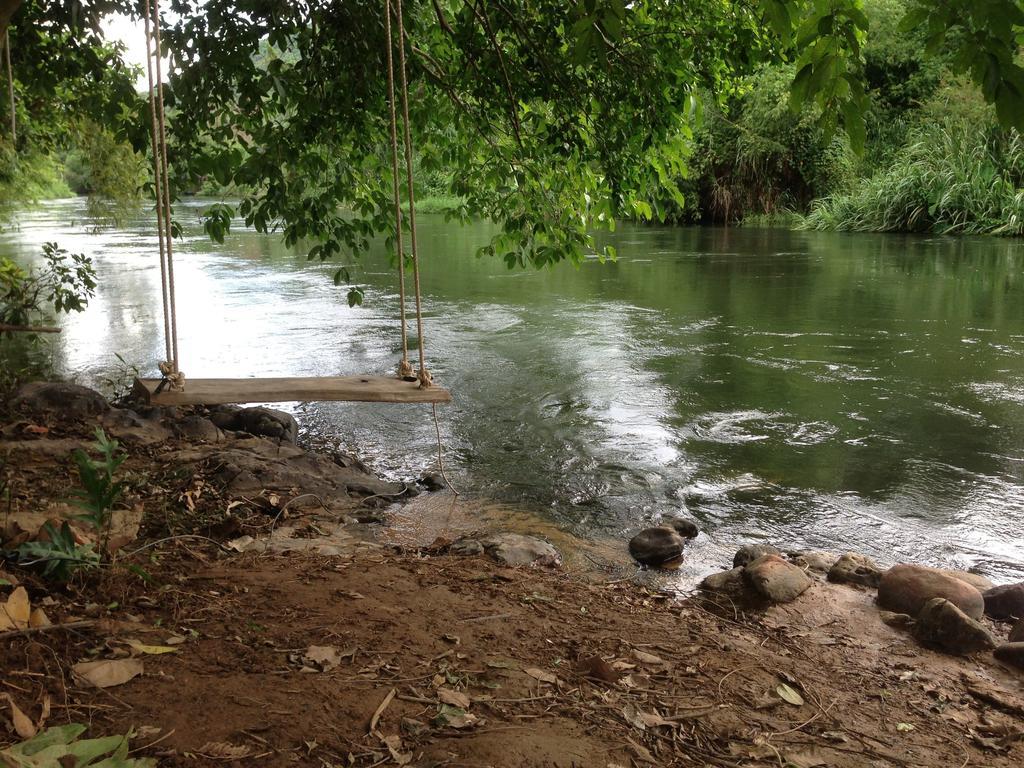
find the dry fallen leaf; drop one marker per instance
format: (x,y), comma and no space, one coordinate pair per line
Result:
(324,657)
(221,750)
(23,725)
(597,668)
(109,672)
(454,698)
(643,720)
(789,695)
(394,745)
(38,618)
(15,613)
(649,659)
(541,675)
(152,650)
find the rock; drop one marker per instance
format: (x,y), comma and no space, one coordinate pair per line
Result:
(433,482)
(59,399)
(776,579)
(1005,602)
(261,422)
(976,580)
(656,546)
(852,568)
(815,562)
(198,429)
(728,582)
(896,620)
(750,552)
(942,625)
(517,549)
(466,548)
(685,528)
(1017,633)
(1011,653)
(906,589)
(131,427)
(370,518)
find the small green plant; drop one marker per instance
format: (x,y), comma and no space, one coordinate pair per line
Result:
(100,491)
(122,380)
(60,745)
(59,555)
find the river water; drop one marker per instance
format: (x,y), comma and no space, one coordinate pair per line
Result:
(834,391)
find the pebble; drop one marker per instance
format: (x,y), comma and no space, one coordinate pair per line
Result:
(1005,602)
(896,620)
(907,588)
(776,579)
(750,552)
(656,546)
(852,568)
(942,625)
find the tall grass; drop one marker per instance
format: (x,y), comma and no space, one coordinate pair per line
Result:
(951,177)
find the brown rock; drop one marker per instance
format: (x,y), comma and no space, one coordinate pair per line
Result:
(976,580)
(1017,633)
(942,625)
(655,546)
(819,563)
(896,620)
(60,399)
(1005,602)
(852,568)
(730,582)
(748,553)
(1011,653)
(907,588)
(779,581)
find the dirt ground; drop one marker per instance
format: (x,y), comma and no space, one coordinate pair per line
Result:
(386,654)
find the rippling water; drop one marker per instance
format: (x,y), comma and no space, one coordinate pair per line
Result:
(833,391)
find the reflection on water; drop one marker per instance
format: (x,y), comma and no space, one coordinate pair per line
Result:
(834,391)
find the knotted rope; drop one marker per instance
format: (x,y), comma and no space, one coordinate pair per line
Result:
(174,379)
(404,368)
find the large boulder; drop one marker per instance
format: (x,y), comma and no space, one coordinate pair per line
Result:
(730,583)
(258,421)
(1011,653)
(976,580)
(818,563)
(942,625)
(907,588)
(131,427)
(1017,633)
(59,399)
(1005,602)
(776,579)
(750,552)
(655,546)
(517,549)
(198,429)
(852,568)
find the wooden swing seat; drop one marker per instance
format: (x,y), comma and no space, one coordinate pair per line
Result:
(368,389)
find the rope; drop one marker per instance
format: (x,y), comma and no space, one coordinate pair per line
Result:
(424,375)
(404,368)
(10,85)
(440,457)
(173,377)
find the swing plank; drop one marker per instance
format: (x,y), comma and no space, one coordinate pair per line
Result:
(369,389)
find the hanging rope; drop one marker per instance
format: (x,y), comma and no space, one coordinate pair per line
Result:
(404,367)
(423,375)
(10,85)
(173,377)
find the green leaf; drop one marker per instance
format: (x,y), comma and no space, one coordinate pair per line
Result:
(853,122)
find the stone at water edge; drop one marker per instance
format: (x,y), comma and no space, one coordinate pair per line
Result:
(1005,602)
(976,580)
(779,581)
(750,552)
(466,548)
(813,562)
(516,549)
(656,546)
(730,582)
(60,399)
(432,482)
(906,588)
(1011,653)
(258,421)
(942,625)
(1017,633)
(852,568)
(685,528)
(896,620)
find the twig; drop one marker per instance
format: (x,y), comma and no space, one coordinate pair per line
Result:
(8,328)
(380,709)
(48,628)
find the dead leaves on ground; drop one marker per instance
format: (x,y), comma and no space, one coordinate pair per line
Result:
(17,613)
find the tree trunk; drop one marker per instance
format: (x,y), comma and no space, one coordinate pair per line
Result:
(7,9)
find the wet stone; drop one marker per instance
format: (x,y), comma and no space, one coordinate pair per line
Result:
(685,528)
(1005,602)
(750,552)
(942,625)
(729,582)
(432,482)
(517,549)
(776,579)
(656,546)
(907,588)
(853,568)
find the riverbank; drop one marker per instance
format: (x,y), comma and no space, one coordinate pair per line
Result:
(257,614)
